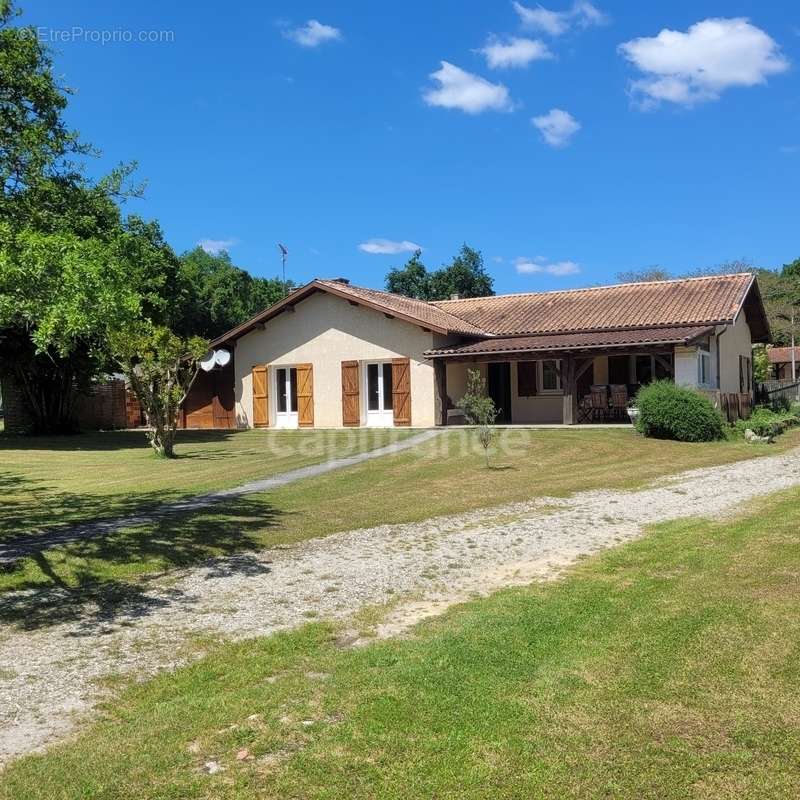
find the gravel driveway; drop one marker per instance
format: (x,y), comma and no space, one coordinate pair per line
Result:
(50,677)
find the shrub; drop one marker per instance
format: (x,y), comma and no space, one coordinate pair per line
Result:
(764,421)
(667,411)
(780,402)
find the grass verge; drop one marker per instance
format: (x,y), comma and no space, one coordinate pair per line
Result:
(667,668)
(48,481)
(445,475)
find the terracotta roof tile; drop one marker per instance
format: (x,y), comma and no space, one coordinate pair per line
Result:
(681,302)
(577,341)
(783,355)
(419,310)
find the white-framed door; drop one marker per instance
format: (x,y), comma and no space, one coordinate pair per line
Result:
(285,397)
(378,391)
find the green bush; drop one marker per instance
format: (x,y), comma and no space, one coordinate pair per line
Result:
(780,403)
(667,411)
(766,422)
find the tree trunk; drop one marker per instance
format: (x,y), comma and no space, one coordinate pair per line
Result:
(162,441)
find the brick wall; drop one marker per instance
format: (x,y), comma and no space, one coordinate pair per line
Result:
(15,413)
(104,407)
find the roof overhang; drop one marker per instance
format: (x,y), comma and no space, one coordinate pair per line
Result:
(298,295)
(755,313)
(576,342)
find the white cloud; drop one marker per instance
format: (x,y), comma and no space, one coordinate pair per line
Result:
(387,247)
(698,65)
(557,127)
(313,34)
(581,14)
(515,52)
(541,265)
(216,246)
(466,92)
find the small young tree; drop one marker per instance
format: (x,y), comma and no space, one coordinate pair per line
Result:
(479,409)
(160,367)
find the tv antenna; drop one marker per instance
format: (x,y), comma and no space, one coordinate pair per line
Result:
(284,253)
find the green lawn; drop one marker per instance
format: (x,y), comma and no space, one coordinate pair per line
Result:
(445,475)
(53,480)
(667,668)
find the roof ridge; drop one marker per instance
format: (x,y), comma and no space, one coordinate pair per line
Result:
(596,288)
(430,303)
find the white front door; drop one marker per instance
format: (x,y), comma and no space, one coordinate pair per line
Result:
(285,397)
(379,394)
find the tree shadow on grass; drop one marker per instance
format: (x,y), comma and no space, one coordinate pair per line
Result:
(32,509)
(108,440)
(71,583)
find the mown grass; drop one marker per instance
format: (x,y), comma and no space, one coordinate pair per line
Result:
(442,476)
(667,668)
(47,481)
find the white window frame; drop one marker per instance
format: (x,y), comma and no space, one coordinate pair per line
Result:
(288,418)
(540,376)
(383,417)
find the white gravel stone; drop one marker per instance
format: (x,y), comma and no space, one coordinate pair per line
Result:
(50,677)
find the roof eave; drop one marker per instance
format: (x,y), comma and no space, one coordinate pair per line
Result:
(686,340)
(318,286)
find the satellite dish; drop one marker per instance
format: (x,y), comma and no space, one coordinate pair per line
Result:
(208,361)
(222,358)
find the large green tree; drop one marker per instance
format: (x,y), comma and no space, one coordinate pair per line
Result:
(220,295)
(35,142)
(70,265)
(465,276)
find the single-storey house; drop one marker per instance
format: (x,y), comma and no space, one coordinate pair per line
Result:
(332,355)
(780,360)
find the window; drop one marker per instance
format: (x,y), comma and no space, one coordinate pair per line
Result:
(619,370)
(663,366)
(703,368)
(286,380)
(639,369)
(644,369)
(379,387)
(551,382)
(526,378)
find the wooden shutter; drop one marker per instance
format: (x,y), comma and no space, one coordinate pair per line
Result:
(401,391)
(351,408)
(260,397)
(526,378)
(305,395)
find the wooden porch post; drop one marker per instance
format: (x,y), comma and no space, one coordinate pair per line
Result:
(569,386)
(440,391)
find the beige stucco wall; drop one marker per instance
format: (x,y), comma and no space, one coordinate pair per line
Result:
(734,342)
(725,347)
(324,331)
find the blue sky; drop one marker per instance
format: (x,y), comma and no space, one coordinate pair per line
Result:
(566,143)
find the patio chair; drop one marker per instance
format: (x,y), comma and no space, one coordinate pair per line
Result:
(585,409)
(599,400)
(619,400)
